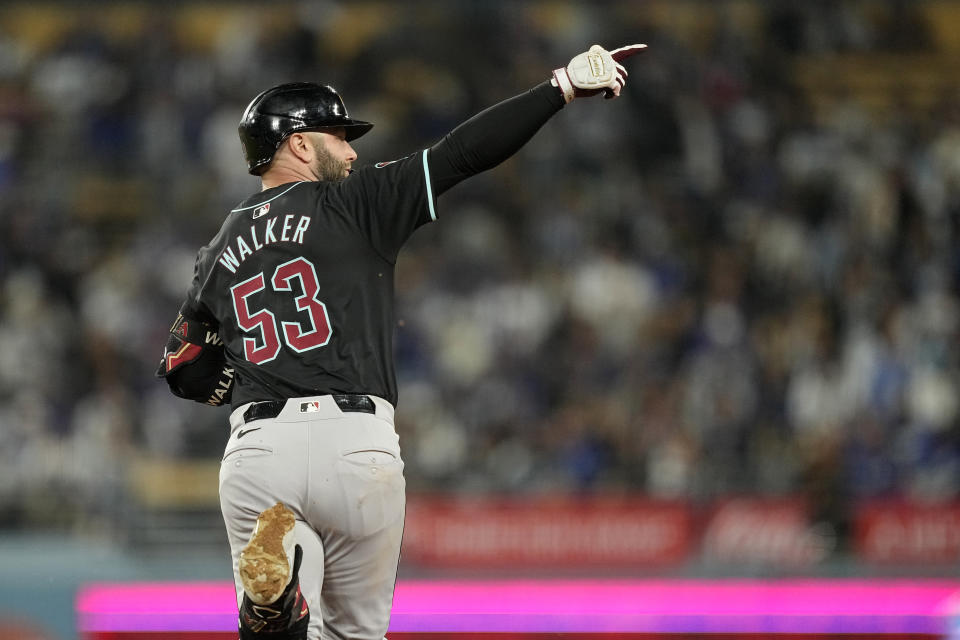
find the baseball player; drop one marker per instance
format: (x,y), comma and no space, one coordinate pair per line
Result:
(290,319)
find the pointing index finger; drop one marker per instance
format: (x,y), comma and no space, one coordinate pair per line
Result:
(625,52)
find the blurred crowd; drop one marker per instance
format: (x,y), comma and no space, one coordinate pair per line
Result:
(714,285)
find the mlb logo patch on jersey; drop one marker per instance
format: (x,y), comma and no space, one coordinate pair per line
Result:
(309,407)
(260,211)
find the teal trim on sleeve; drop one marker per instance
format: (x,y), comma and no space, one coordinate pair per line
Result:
(426,173)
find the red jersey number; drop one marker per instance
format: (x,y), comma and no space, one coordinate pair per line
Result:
(313,332)
(319,332)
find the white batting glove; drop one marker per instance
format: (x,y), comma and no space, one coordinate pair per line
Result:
(594,71)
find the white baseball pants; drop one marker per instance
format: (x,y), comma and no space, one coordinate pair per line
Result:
(341,474)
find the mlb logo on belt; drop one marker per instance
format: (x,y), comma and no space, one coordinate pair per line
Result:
(260,211)
(309,407)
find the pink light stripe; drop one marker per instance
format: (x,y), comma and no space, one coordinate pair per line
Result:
(157,606)
(681,606)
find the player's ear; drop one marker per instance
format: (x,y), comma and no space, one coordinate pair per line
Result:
(299,145)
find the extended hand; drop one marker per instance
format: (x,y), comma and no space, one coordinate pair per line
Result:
(594,71)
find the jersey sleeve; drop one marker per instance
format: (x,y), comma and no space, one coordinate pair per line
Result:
(389,200)
(194,305)
(194,363)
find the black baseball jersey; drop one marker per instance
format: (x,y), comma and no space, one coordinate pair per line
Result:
(300,281)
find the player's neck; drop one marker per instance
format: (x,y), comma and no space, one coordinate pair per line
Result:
(277,176)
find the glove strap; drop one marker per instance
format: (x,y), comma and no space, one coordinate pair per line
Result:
(562,81)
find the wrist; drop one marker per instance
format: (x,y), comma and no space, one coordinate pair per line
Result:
(561,80)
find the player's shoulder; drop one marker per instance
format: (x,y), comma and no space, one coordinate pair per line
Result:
(385,170)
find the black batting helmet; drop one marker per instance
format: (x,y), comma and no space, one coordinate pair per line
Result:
(289,108)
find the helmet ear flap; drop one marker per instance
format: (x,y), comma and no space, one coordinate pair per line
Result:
(275,114)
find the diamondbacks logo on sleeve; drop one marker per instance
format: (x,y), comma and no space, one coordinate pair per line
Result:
(381,165)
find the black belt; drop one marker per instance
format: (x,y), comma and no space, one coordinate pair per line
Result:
(348,402)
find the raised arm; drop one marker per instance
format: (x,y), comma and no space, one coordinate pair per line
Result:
(495,134)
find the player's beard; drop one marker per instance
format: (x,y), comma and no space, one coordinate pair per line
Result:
(327,168)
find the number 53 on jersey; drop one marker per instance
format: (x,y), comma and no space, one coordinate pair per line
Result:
(314,331)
